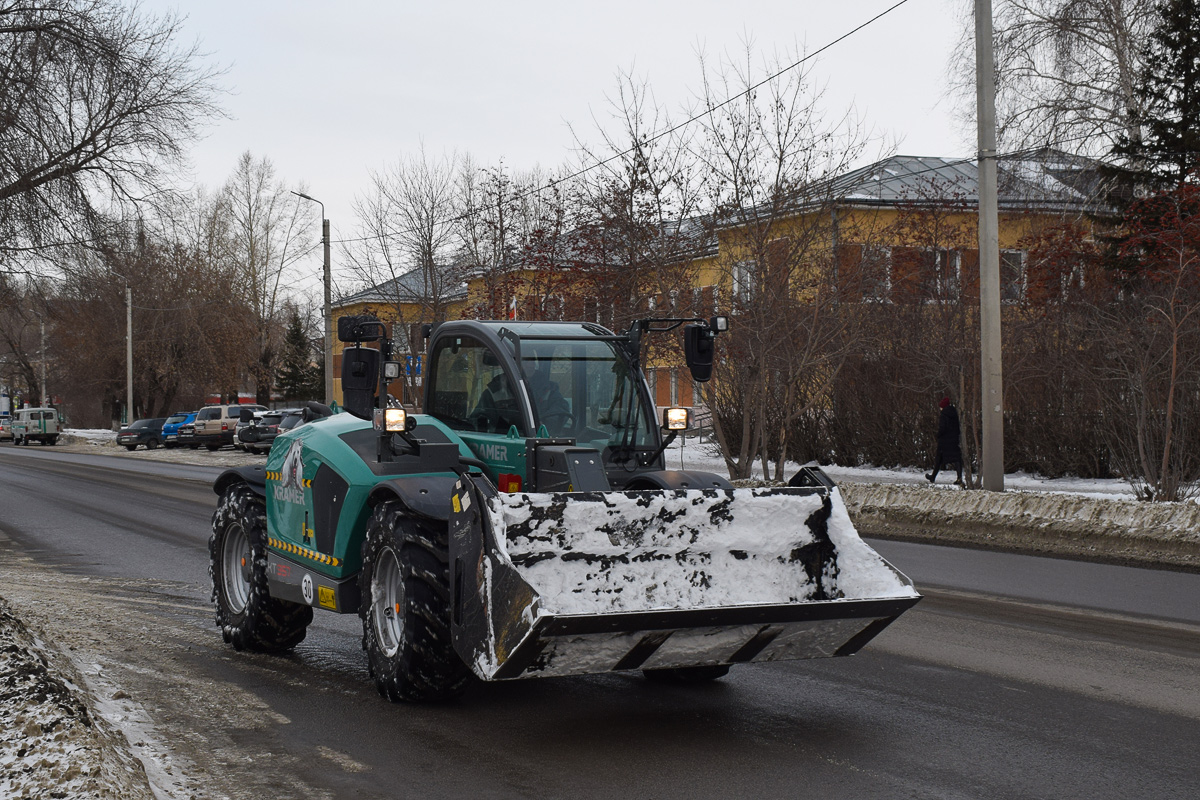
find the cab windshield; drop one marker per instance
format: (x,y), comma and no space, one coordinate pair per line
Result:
(583,389)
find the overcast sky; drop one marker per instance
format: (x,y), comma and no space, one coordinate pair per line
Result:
(331,91)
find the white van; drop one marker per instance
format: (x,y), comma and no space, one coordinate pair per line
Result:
(35,425)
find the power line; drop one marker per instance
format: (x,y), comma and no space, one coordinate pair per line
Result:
(668,131)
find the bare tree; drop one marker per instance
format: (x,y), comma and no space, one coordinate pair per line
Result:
(96,101)
(1149,340)
(635,217)
(1067,72)
(403,259)
(267,239)
(23,306)
(511,226)
(770,158)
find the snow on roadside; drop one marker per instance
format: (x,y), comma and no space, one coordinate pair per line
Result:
(705,456)
(54,744)
(104,442)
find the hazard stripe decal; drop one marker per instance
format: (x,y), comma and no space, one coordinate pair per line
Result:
(278,476)
(304,552)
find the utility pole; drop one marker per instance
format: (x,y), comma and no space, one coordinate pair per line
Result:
(328,313)
(328,310)
(45,400)
(128,354)
(991,385)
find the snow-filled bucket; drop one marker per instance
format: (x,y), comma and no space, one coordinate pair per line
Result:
(571,583)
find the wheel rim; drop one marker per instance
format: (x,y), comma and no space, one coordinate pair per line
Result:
(387,593)
(235,568)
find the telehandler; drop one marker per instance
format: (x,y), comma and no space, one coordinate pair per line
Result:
(526,525)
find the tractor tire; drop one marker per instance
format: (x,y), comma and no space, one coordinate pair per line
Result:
(405,611)
(249,618)
(152,444)
(131,447)
(687,675)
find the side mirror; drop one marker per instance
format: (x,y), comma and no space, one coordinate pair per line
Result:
(246,415)
(360,379)
(698,349)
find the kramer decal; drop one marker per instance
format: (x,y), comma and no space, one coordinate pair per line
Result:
(290,488)
(493,452)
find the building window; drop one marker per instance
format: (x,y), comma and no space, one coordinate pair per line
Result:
(1012,276)
(938,275)
(743,282)
(876,273)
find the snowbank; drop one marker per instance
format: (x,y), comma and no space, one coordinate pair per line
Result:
(54,744)
(1123,531)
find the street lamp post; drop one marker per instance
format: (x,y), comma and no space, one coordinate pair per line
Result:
(328,310)
(128,347)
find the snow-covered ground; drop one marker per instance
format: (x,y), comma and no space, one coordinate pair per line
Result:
(706,456)
(53,743)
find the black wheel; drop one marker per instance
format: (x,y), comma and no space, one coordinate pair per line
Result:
(131,447)
(249,618)
(406,608)
(53,440)
(152,444)
(685,675)
(213,447)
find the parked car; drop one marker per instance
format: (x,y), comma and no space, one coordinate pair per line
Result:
(35,425)
(248,417)
(142,431)
(258,437)
(170,429)
(187,435)
(215,424)
(6,428)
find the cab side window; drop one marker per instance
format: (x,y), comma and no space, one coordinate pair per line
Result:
(471,391)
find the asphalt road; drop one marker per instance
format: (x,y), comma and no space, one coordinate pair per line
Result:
(1015,677)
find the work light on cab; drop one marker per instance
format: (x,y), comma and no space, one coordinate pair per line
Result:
(390,420)
(675,419)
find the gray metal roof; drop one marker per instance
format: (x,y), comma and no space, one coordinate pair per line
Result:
(445,284)
(1045,179)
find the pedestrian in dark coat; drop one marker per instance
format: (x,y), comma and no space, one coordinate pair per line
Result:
(948,450)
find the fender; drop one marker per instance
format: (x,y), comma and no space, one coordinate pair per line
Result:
(672,479)
(425,495)
(254,477)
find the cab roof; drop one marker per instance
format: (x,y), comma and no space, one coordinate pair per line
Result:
(535,328)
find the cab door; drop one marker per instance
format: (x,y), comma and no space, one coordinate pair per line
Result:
(473,392)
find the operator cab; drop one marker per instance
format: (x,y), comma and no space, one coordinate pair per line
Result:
(543,406)
(513,388)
